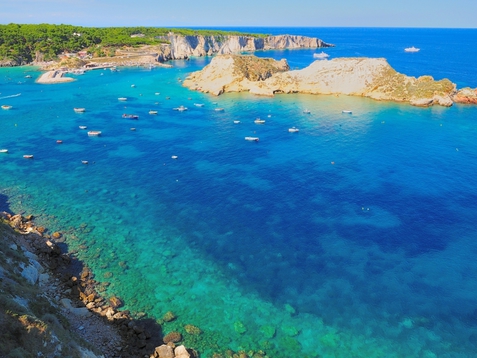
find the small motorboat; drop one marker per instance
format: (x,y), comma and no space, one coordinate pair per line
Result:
(180,109)
(252,139)
(152,112)
(259,121)
(6,107)
(132,86)
(307,111)
(59,141)
(82,127)
(94,133)
(219,109)
(122,99)
(293,130)
(199,104)
(157,93)
(79,109)
(28,156)
(346,111)
(84,161)
(174,157)
(322,55)
(3,150)
(133,129)
(28,76)
(412,49)
(130,116)
(236,122)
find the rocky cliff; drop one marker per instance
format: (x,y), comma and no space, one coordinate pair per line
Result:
(182,47)
(367,77)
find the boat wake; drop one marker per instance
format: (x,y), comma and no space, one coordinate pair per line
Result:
(13,95)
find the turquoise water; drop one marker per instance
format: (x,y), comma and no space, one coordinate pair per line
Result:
(264,245)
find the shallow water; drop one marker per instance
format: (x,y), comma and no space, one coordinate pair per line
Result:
(353,238)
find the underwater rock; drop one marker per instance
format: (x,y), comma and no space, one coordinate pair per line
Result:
(268,331)
(173,337)
(240,327)
(169,317)
(193,330)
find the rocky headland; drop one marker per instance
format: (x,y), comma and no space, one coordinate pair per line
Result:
(367,77)
(182,47)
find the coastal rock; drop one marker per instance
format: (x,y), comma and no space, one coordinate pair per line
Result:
(182,47)
(234,74)
(466,96)
(181,352)
(367,77)
(164,352)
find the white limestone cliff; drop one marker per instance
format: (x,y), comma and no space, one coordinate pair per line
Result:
(183,47)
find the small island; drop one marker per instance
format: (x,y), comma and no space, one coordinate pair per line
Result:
(367,77)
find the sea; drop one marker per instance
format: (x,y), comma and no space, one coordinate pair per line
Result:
(354,237)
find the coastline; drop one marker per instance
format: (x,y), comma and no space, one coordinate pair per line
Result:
(69,286)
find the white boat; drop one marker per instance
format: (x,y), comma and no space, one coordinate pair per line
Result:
(346,111)
(28,156)
(94,133)
(3,150)
(6,107)
(157,93)
(293,130)
(199,104)
(252,139)
(79,109)
(412,49)
(122,99)
(219,109)
(236,122)
(132,86)
(180,109)
(152,112)
(133,129)
(28,76)
(321,55)
(259,121)
(82,127)
(174,157)
(84,161)
(307,111)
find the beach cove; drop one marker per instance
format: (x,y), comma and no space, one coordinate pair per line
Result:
(322,242)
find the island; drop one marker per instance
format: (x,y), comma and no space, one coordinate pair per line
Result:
(367,77)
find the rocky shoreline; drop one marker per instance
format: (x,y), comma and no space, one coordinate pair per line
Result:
(366,77)
(71,288)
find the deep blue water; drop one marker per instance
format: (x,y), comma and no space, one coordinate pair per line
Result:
(353,238)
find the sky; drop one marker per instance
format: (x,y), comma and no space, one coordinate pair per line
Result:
(243,13)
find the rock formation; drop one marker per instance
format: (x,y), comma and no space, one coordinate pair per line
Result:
(367,77)
(182,47)
(466,95)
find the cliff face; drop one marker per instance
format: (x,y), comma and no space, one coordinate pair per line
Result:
(182,47)
(368,77)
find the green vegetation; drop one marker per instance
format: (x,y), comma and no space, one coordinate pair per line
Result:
(25,43)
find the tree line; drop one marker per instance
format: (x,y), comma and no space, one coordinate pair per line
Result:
(25,43)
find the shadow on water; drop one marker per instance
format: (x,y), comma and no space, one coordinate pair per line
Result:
(4,204)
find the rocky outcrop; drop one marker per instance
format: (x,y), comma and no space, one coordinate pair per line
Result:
(466,96)
(182,47)
(367,77)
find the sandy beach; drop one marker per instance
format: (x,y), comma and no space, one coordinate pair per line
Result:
(52,77)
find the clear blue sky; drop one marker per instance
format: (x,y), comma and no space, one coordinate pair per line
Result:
(183,13)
